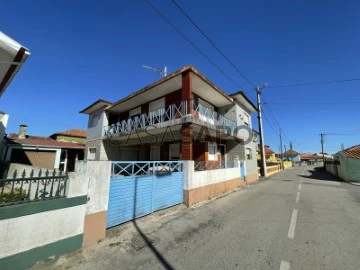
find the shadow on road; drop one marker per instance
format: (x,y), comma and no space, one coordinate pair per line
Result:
(146,239)
(319,173)
(153,249)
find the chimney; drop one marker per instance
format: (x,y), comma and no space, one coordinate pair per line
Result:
(22,131)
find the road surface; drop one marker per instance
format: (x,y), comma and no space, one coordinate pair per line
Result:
(301,218)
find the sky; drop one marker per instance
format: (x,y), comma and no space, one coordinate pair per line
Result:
(85,50)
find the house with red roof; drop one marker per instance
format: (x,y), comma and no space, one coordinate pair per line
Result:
(52,152)
(348,164)
(73,135)
(270,155)
(292,155)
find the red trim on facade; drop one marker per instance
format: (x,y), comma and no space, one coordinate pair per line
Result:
(186,142)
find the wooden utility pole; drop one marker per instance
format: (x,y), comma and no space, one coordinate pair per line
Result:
(322,147)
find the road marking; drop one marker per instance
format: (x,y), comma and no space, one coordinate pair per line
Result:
(292,226)
(299,187)
(284,265)
(297,197)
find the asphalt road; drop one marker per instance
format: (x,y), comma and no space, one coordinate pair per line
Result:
(301,218)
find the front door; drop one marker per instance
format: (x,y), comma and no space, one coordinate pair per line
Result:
(155,152)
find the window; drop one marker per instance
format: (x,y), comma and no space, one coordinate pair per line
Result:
(156,105)
(92,153)
(94,119)
(248,153)
(206,104)
(135,112)
(212,151)
(246,119)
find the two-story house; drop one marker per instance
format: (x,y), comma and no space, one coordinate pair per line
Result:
(183,116)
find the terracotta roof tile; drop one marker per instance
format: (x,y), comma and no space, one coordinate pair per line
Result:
(352,152)
(268,151)
(291,152)
(45,142)
(72,133)
(310,156)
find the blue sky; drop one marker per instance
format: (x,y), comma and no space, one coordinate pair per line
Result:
(85,50)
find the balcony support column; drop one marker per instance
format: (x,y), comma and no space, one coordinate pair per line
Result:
(186,141)
(186,90)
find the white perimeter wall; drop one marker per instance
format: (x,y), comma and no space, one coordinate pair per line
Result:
(27,232)
(99,173)
(195,179)
(31,231)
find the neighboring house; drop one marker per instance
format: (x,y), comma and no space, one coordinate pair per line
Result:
(348,165)
(270,155)
(292,155)
(315,158)
(43,152)
(72,135)
(310,158)
(183,116)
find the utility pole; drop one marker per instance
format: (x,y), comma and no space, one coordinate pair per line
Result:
(262,149)
(291,147)
(322,147)
(285,150)
(281,151)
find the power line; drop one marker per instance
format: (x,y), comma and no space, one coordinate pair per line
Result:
(314,83)
(192,43)
(313,103)
(273,129)
(213,44)
(267,105)
(277,123)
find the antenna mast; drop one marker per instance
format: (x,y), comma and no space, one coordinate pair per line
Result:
(161,71)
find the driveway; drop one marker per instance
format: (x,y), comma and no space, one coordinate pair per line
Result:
(301,218)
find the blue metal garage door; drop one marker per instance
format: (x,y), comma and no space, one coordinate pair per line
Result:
(140,188)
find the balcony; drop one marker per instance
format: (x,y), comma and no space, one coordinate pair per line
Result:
(172,112)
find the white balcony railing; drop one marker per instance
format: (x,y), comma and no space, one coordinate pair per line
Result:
(171,112)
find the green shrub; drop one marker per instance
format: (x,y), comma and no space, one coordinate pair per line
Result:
(17,195)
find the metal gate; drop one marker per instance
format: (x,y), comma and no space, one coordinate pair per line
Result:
(142,187)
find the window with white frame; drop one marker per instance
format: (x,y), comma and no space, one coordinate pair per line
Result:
(155,106)
(92,153)
(212,150)
(248,153)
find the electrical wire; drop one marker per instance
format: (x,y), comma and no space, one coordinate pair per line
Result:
(273,129)
(213,44)
(313,83)
(190,42)
(313,103)
(277,123)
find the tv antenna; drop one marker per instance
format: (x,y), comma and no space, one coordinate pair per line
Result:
(161,71)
